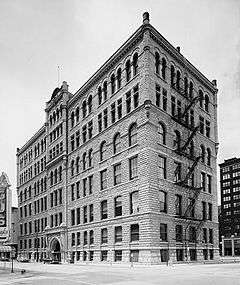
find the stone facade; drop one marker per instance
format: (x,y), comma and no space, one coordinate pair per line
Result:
(110,166)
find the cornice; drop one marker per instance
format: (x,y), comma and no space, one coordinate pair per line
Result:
(31,140)
(156,36)
(115,58)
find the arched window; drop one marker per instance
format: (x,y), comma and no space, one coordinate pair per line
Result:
(200,94)
(51,182)
(51,120)
(202,153)
(61,108)
(55,176)
(206,103)
(72,119)
(77,164)
(190,89)
(157,62)
(84,163)
(185,86)
(135,64)
(119,78)
(72,167)
(77,114)
(113,83)
(105,90)
(208,156)
(164,67)
(54,117)
(89,104)
(178,81)
(99,95)
(103,150)
(177,140)
(60,173)
(162,133)
(57,116)
(116,143)
(128,70)
(84,109)
(132,134)
(90,157)
(172,75)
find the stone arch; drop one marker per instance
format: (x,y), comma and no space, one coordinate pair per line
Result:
(55,249)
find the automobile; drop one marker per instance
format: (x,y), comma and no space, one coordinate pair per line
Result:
(25,260)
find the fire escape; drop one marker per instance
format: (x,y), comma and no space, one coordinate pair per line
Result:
(187,149)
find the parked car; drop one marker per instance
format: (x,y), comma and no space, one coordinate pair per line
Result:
(54,262)
(22,259)
(4,259)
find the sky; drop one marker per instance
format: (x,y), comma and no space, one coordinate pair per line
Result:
(79,36)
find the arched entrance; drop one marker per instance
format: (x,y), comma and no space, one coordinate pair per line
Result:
(56,249)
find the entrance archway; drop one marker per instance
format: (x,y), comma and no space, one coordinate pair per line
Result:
(56,250)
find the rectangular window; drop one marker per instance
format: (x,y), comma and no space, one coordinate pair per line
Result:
(134,202)
(201,125)
(177,171)
(78,216)
(73,192)
(73,217)
(162,167)
(163,201)
(118,206)
(179,233)
(119,108)
(99,123)
(191,207)
(118,255)
(113,113)
(84,187)
(104,255)
(178,205)
(211,236)
(203,181)
(134,255)
(157,87)
(204,235)
(207,129)
(204,210)
(84,133)
(173,106)
(90,184)
(72,142)
(209,183)
(163,232)
(164,99)
(73,239)
(209,211)
(78,189)
(103,179)
(128,102)
(104,235)
(118,234)
(117,173)
(77,139)
(85,238)
(78,238)
(85,214)
(104,210)
(135,96)
(91,215)
(133,167)
(192,234)
(179,254)
(134,232)
(91,237)
(105,118)
(90,129)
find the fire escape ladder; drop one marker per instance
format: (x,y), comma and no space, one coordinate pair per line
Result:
(199,227)
(192,204)
(183,148)
(192,104)
(190,171)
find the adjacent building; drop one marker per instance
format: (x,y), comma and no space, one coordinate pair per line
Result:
(229,220)
(8,219)
(124,170)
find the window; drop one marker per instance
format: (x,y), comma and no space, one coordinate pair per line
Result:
(211,236)
(179,233)
(103,150)
(158,96)
(190,89)
(90,184)
(119,78)
(173,106)
(72,192)
(178,80)
(117,173)
(118,234)
(91,237)
(73,239)
(164,99)
(177,171)
(192,234)
(105,90)
(202,153)
(78,238)
(90,129)
(134,230)
(163,232)
(113,83)
(191,207)
(132,134)
(85,238)
(78,164)
(118,255)
(105,118)
(128,70)
(72,142)
(163,201)
(200,94)
(134,202)
(78,216)
(162,133)
(77,139)
(90,157)
(135,64)
(135,97)
(164,67)
(72,119)
(104,254)
(119,108)
(91,215)
(99,123)
(89,104)
(133,167)
(134,255)
(204,210)
(84,133)
(157,62)
(203,181)
(209,211)
(128,102)
(104,210)
(177,140)
(204,235)
(209,183)
(208,157)
(84,161)
(207,129)
(172,75)
(84,109)
(162,167)
(103,179)
(72,169)
(179,254)
(201,125)
(104,235)
(85,214)
(206,103)
(118,206)
(73,217)
(113,112)
(116,143)
(178,205)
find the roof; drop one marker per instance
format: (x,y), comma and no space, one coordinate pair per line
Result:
(5,248)
(229,161)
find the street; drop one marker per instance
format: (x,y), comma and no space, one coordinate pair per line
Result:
(187,274)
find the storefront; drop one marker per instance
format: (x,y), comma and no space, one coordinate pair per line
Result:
(231,246)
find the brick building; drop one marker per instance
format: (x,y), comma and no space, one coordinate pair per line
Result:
(229,220)
(125,169)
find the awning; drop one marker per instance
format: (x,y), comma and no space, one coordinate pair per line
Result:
(5,248)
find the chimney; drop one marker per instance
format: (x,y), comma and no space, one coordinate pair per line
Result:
(178,49)
(64,86)
(145,18)
(214,82)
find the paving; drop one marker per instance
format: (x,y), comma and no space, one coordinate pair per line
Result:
(60,274)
